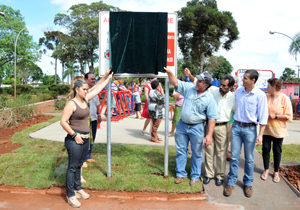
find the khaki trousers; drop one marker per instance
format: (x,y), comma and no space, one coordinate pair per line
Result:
(155,125)
(218,148)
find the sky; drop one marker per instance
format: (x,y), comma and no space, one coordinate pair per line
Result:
(255,49)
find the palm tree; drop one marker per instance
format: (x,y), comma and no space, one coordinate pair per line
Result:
(71,70)
(294,47)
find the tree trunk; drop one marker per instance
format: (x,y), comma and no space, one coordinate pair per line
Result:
(201,61)
(55,70)
(62,72)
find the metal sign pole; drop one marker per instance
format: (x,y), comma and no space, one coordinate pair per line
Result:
(108,129)
(166,161)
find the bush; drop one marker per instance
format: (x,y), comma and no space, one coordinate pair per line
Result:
(23,89)
(60,89)
(60,104)
(44,96)
(16,110)
(1,90)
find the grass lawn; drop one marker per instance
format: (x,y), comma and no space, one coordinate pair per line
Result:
(41,163)
(290,152)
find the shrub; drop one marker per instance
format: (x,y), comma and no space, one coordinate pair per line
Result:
(16,110)
(23,89)
(60,89)
(60,104)
(1,90)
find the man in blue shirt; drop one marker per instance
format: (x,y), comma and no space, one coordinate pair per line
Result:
(251,109)
(198,106)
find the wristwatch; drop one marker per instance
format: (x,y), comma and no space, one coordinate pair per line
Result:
(276,116)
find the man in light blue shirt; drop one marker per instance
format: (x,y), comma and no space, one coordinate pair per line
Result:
(251,109)
(198,106)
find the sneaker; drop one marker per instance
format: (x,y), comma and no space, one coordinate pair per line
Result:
(228,190)
(73,202)
(90,160)
(248,191)
(82,194)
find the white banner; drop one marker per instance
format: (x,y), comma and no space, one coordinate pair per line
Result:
(104,62)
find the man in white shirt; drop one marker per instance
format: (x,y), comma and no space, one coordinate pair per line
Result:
(225,100)
(94,115)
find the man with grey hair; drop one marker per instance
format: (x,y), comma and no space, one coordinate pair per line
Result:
(198,106)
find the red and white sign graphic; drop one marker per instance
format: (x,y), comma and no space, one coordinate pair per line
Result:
(171,49)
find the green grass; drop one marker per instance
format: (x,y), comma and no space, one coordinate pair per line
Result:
(290,152)
(54,111)
(41,163)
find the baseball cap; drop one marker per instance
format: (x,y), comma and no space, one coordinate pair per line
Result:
(204,76)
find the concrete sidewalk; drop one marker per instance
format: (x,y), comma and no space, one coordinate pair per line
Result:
(125,131)
(266,194)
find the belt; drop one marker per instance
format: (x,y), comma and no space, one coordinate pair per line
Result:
(245,124)
(222,123)
(85,136)
(191,124)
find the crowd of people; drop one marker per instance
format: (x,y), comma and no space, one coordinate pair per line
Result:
(220,119)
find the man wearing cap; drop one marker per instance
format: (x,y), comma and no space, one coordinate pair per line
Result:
(251,109)
(198,106)
(225,100)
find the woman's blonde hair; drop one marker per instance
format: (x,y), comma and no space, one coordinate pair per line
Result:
(72,85)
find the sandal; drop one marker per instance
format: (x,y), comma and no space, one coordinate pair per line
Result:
(160,140)
(156,141)
(171,134)
(82,194)
(264,175)
(73,202)
(276,177)
(143,133)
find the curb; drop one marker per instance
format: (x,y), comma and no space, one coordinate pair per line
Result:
(146,196)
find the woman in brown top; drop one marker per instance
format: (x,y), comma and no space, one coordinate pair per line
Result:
(75,121)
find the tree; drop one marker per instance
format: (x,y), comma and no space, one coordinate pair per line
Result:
(30,72)
(27,50)
(50,79)
(51,40)
(218,66)
(82,24)
(288,75)
(202,30)
(294,47)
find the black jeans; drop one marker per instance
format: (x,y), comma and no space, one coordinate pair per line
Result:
(266,148)
(76,156)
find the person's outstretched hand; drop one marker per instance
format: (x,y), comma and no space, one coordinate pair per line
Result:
(186,72)
(167,70)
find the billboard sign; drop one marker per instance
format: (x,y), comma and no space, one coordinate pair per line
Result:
(263,77)
(104,46)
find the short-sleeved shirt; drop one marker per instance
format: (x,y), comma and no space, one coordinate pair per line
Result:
(195,109)
(179,100)
(251,107)
(94,103)
(137,97)
(280,106)
(226,104)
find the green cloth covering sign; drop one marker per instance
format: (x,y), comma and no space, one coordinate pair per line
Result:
(138,42)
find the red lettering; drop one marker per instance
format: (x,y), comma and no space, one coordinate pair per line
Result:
(170,20)
(106,20)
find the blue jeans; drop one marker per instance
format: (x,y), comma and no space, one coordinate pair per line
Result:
(76,156)
(183,135)
(94,131)
(239,135)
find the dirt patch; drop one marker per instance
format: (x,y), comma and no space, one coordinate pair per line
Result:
(292,174)
(6,146)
